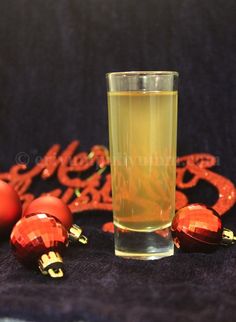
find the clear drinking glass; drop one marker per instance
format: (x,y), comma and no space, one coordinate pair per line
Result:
(142,110)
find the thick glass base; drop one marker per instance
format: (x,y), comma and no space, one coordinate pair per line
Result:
(143,245)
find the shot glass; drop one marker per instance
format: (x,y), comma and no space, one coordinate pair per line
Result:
(142,117)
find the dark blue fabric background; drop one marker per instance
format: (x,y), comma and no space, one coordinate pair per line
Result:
(53,58)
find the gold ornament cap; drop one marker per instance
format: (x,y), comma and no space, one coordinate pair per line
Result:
(51,264)
(228,237)
(75,234)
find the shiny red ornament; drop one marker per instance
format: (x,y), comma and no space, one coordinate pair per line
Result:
(40,239)
(56,208)
(197,228)
(10,208)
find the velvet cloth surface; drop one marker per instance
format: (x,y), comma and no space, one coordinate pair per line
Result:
(53,58)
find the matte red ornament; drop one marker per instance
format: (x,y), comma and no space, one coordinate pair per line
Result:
(51,206)
(10,208)
(40,239)
(56,208)
(197,228)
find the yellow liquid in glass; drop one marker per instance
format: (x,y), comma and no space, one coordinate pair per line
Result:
(142,135)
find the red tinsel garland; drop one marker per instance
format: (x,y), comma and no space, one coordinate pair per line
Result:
(84,172)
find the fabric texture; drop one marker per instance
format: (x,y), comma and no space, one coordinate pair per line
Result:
(53,60)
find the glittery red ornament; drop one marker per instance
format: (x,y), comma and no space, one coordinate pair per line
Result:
(197,228)
(10,208)
(56,208)
(40,239)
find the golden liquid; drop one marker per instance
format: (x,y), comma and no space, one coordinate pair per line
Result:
(142,134)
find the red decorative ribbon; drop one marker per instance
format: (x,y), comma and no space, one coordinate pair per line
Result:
(82,171)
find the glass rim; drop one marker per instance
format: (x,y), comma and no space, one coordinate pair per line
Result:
(143,73)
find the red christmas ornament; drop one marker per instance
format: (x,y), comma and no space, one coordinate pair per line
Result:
(10,208)
(40,239)
(55,207)
(198,228)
